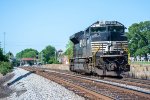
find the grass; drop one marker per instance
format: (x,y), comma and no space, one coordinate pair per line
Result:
(141,62)
(5,67)
(140,70)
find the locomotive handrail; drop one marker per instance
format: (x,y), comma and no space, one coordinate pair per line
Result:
(126,49)
(94,56)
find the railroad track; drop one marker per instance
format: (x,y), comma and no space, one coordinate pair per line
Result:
(132,82)
(88,88)
(142,81)
(145,84)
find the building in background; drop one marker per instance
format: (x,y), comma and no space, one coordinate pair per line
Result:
(28,61)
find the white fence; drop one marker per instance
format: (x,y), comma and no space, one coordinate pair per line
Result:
(142,59)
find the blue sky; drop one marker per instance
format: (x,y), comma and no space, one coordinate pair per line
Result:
(38,23)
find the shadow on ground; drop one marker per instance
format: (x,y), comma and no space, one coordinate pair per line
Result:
(5,90)
(6,78)
(19,78)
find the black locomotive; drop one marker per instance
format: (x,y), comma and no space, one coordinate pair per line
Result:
(102,48)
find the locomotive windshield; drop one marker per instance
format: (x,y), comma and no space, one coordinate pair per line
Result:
(116,33)
(118,29)
(98,29)
(99,33)
(108,33)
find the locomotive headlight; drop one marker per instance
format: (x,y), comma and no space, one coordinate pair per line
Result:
(121,51)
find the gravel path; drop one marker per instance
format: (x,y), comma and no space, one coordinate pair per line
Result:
(29,86)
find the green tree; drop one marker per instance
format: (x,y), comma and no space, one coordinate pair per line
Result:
(2,57)
(69,49)
(5,66)
(139,38)
(27,53)
(49,54)
(9,55)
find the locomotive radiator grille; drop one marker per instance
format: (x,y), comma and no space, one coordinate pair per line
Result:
(103,45)
(119,45)
(99,46)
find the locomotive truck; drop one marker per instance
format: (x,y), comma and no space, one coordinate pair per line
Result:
(102,48)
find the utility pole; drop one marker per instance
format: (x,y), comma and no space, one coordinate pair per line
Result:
(4,43)
(42,57)
(55,55)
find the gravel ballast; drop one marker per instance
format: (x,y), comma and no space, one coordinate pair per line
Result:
(29,86)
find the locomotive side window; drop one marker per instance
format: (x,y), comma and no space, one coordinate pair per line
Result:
(98,29)
(87,32)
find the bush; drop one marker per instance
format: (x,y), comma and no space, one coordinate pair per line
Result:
(53,60)
(5,67)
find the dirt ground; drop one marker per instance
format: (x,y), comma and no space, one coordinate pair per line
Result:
(4,89)
(1,75)
(56,66)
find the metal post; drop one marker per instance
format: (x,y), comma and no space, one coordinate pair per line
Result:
(42,57)
(55,55)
